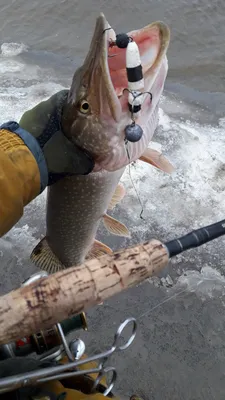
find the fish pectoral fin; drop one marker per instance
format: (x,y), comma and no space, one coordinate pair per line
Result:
(98,249)
(44,258)
(158,160)
(115,227)
(117,196)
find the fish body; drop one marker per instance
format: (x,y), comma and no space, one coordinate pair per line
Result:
(72,233)
(94,117)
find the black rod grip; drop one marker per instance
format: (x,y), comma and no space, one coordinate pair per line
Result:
(196,238)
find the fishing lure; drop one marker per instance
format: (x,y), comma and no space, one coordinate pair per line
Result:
(119,40)
(133,131)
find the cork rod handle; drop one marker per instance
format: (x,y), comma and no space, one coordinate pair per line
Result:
(47,301)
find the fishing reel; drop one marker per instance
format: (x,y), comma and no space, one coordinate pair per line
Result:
(51,343)
(64,359)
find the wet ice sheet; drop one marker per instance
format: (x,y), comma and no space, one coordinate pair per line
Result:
(181,329)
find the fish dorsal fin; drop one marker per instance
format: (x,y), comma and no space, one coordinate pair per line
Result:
(43,257)
(158,160)
(115,227)
(117,196)
(97,250)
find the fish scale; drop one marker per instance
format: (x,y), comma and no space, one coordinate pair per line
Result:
(85,199)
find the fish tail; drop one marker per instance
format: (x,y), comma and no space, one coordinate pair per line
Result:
(44,258)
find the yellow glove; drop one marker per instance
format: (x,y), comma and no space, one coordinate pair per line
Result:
(19,179)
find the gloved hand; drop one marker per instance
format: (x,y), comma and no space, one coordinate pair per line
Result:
(62,156)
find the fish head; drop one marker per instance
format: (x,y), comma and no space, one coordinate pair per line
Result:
(96,113)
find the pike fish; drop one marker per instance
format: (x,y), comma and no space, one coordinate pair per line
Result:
(94,118)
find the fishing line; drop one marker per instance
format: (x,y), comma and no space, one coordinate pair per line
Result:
(132,182)
(194,285)
(128,154)
(166,301)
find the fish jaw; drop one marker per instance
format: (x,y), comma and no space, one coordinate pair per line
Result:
(92,84)
(99,84)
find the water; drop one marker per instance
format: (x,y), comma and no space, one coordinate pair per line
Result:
(180,349)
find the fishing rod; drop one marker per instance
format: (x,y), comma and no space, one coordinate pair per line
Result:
(44,300)
(73,290)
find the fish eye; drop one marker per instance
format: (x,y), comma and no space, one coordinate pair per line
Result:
(84,106)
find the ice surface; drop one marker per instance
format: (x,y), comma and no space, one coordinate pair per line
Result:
(193,196)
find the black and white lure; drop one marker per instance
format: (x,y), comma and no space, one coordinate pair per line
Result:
(133,132)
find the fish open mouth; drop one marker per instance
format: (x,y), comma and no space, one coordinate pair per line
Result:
(100,84)
(108,63)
